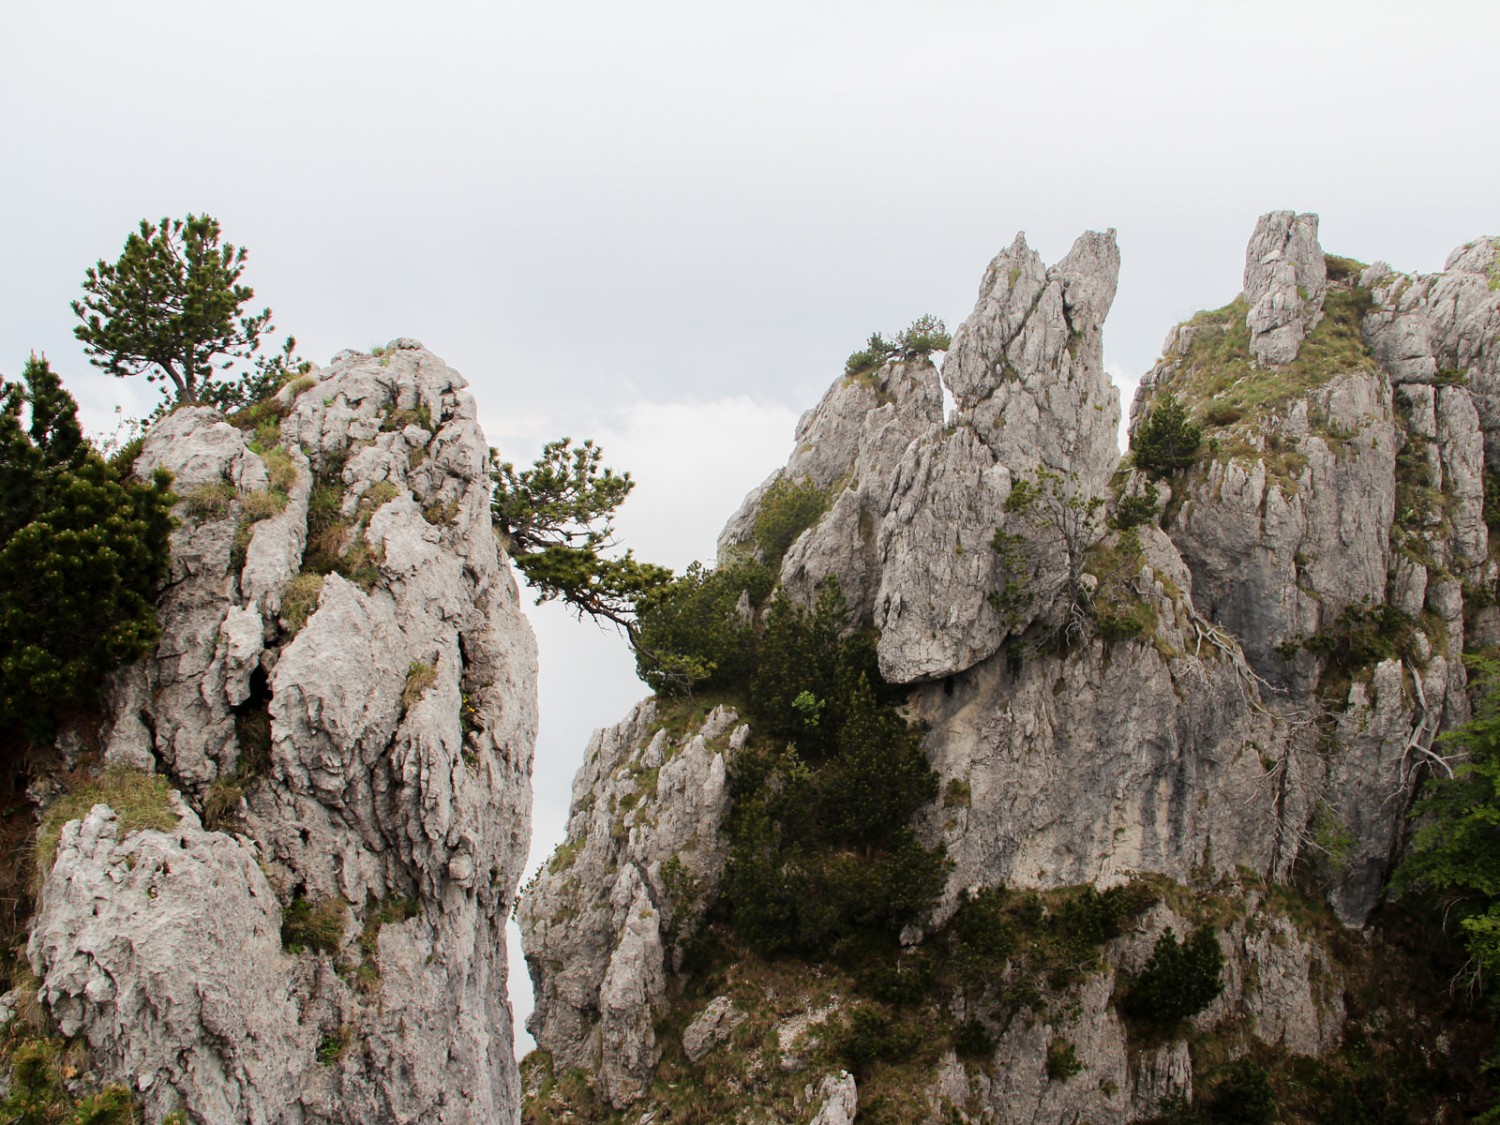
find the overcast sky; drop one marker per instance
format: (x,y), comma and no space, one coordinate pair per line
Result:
(665,225)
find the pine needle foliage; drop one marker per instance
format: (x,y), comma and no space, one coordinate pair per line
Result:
(1167,440)
(557,520)
(171,307)
(82,554)
(1455,851)
(822,863)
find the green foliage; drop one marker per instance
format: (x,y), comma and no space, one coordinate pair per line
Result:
(1455,850)
(690,634)
(870,1035)
(997,930)
(972,1040)
(557,518)
(821,861)
(1240,1094)
(318,926)
(1042,549)
(393,909)
(1216,376)
(1133,511)
(419,677)
(926,334)
(1363,636)
(82,554)
(37,1095)
(300,601)
(260,383)
(1062,1059)
(1166,441)
(1180,979)
(170,307)
(787,509)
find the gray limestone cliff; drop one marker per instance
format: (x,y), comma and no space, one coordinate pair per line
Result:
(344,697)
(1232,697)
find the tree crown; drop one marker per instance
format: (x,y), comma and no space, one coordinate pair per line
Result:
(170,307)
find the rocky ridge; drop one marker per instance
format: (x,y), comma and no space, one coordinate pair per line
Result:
(1250,697)
(344,698)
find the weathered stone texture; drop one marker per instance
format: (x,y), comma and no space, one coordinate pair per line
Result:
(402,718)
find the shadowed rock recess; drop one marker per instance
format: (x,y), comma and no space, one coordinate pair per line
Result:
(1216,712)
(344,699)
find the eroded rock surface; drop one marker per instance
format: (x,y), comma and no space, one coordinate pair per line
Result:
(915,502)
(606,918)
(1285,280)
(346,682)
(1244,684)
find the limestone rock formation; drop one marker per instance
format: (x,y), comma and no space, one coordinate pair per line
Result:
(344,691)
(607,917)
(1285,279)
(1231,695)
(915,503)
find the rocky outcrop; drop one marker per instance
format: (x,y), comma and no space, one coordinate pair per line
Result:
(345,691)
(915,503)
(1240,689)
(607,917)
(1442,329)
(1285,280)
(840,1100)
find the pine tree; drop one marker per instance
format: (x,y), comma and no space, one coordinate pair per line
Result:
(1166,441)
(170,307)
(82,554)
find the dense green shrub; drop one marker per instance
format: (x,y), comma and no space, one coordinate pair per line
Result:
(821,861)
(1362,636)
(1180,979)
(1133,511)
(996,928)
(1062,1059)
(82,554)
(690,634)
(1239,1095)
(972,1040)
(1166,441)
(787,509)
(926,334)
(1455,851)
(870,1035)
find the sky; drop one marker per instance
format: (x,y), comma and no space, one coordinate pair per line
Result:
(665,225)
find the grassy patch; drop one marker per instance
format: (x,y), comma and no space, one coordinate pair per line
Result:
(419,677)
(1217,379)
(314,925)
(141,800)
(389,910)
(1119,611)
(419,415)
(377,495)
(300,600)
(208,501)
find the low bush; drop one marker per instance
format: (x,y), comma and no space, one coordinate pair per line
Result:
(787,509)
(1180,980)
(691,634)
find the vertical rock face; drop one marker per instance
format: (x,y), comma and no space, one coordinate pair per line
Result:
(1244,684)
(345,687)
(914,503)
(1284,283)
(609,915)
